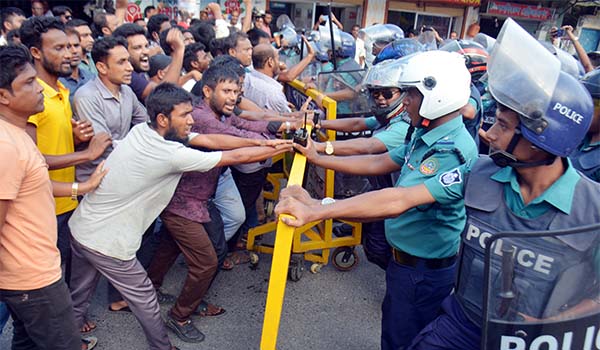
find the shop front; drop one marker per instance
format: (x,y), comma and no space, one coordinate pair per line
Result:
(532,18)
(303,13)
(444,16)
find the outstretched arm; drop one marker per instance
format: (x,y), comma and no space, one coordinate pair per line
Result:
(295,201)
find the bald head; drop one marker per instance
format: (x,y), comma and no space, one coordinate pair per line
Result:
(261,55)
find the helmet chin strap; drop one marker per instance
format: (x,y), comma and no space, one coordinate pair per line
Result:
(506,158)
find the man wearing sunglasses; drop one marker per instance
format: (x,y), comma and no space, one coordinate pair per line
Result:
(390,124)
(425,209)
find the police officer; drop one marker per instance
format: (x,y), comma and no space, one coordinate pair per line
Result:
(527,184)
(586,158)
(390,124)
(428,194)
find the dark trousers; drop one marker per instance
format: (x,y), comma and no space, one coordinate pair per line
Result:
(412,299)
(191,239)
(42,318)
(64,243)
(376,247)
(250,187)
(144,256)
(451,330)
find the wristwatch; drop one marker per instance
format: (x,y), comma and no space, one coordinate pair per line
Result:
(327,200)
(328,148)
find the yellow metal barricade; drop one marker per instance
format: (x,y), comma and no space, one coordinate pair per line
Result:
(313,240)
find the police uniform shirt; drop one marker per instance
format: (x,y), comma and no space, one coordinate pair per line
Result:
(586,158)
(393,135)
(559,195)
(433,231)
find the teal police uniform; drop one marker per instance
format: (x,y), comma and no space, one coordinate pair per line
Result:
(586,158)
(560,206)
(426,239)
(392,135)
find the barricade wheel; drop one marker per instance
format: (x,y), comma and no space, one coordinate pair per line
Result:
(344,258)
(296,269)
(316,268)
(269,208)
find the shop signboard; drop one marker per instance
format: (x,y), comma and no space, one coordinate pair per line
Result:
(513,10)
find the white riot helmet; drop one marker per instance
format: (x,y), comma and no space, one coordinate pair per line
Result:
(443,80)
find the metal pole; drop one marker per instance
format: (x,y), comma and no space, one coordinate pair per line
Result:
(332,38)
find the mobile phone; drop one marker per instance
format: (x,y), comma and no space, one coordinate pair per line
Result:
(560,33)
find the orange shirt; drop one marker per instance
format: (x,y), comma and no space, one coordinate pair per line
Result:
(29,258)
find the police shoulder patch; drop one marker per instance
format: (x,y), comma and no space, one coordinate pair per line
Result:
(450,178)
(429,166)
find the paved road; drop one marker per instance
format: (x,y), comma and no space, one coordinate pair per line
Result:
(327,311)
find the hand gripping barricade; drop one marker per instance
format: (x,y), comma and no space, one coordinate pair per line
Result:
(316,236)
(534,286)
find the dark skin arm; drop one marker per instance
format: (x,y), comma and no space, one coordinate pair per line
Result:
(361,145)
(295,201)
(227,142)
(346,125)
(294,72)
(377,164)
(94,150)
(63,189)
(252,154)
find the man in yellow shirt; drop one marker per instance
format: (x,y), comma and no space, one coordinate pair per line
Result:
(55,133)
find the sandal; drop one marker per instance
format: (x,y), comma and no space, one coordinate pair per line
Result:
(88,343)
(227,264)
(208,310)
(235,258)
(88,327)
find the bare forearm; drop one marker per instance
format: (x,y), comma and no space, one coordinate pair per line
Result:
(342,95)
(222,142)
(248,155)
(379,164)
(248,105)
(64,189)
(67,160)
(358,146)
(345,125)
(367,206)
(583,57)
(294,72)
(173,74)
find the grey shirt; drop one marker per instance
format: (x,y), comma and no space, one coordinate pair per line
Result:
(108,114)
(265,91)
(144,170)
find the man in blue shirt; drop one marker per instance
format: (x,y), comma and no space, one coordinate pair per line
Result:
(425,209)
(78,76)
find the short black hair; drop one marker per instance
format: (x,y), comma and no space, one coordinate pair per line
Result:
(162,41)
(217,47)
(61,10)
(148,9)
(256,34)
(212,77)
(102,46)
(76,22)
(32,29)
(233,39)
(163,99)
(155,22)
(13,59)
(260,57)
(190,55)
(128,29)
(100,22)
(203,32)
(230,62)
(7,12)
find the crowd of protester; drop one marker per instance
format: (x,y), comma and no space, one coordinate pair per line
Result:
(128,144)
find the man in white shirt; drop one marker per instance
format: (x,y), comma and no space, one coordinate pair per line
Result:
(146,166)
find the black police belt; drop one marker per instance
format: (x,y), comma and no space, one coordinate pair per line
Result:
(403,258)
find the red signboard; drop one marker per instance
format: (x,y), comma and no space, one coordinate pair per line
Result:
(232,5)
(510,9)
(475,3)
(133,12)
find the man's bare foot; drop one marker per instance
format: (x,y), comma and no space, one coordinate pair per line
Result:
(118,305)
(87,327)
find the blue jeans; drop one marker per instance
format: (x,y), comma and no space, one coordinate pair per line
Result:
(412,299)
(3,316)
(230,205)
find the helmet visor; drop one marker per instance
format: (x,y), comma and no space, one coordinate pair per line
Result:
(522,73)
(385,74)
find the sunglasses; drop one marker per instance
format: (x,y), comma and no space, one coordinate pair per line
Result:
(68,18)
(386,93)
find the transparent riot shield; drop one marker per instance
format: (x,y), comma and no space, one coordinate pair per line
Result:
(344,86)
(541,290)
